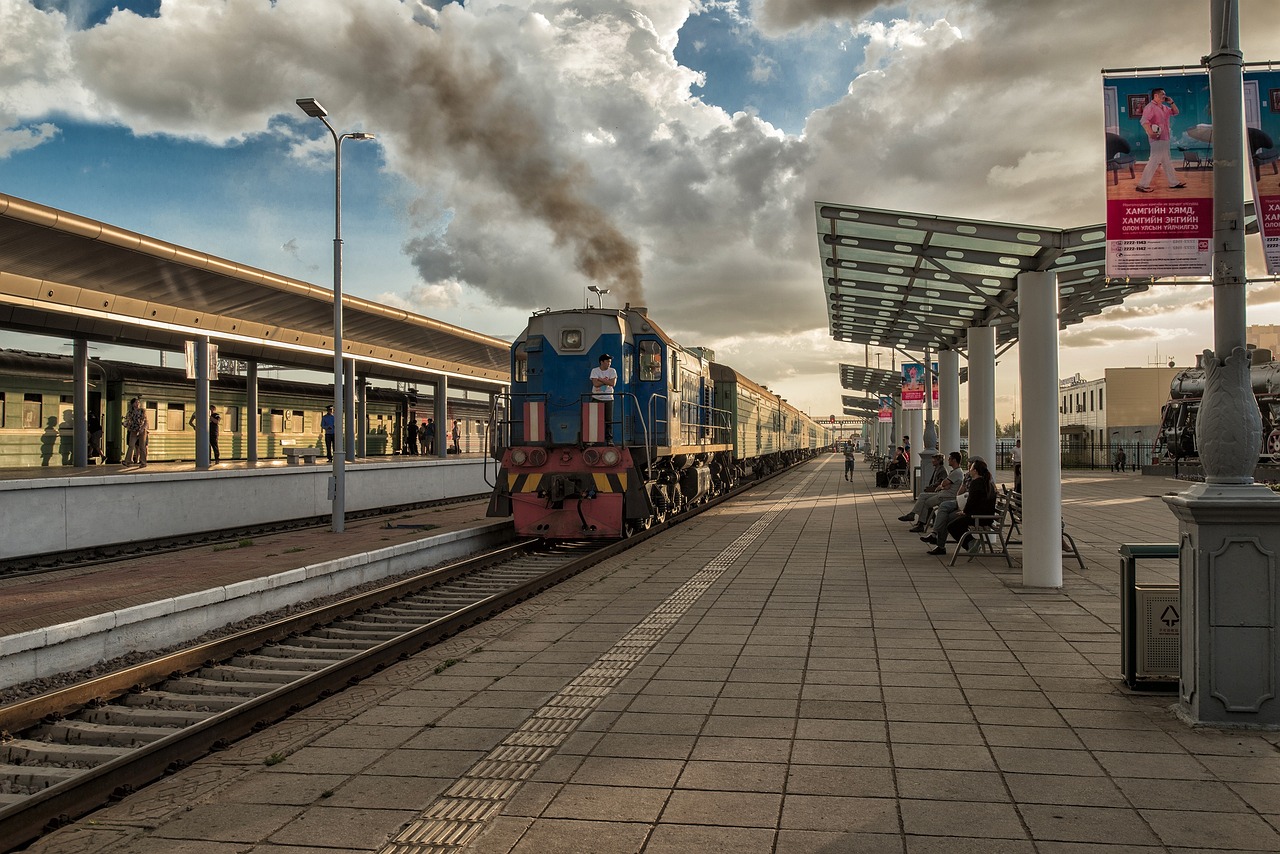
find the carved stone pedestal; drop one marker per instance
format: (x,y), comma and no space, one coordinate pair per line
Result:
(1229,540)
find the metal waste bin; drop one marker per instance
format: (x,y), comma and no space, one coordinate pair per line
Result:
(1150,622)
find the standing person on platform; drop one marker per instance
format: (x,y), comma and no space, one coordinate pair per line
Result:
(1016,458)
(411,437)
(603,379)
(457,437)
(136,433)
(1120,461)
(95,435)
(424,436)
(906,449)
(327,428)
(848,462)
(430,448)
(215,425)
(1157,117)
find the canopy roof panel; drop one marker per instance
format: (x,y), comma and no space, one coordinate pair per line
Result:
(64,274)
(912,281)
(870,380)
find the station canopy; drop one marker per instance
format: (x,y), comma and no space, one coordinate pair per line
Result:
(870,380)
(63,274)
(860,405)
(911,281)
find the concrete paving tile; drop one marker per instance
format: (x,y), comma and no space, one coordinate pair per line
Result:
(939,696)
(856,753)
(943,757)
(1055,738)
(580,742)
(670,704)
(235,822)
(732,809)
(429,699)
(827,842)
(1017,716)
(644,722)
(833,730)
(499,835)
(840,710)
(733,749)
(749,727)
(367,736)
(1099,848)
(772,691)
(1159,766)
(1066,823)
(981,819)
(558,768)
(559,836)
(531,799)
(1263,797)
(1238,769)
(368,791)
(766,675)
(848,781)
(424,763)
(914,732)
(733,776)
(843,814)
(645,746)
(918,679)
(488,718)
(970,845)
(1128,741)
(927,713)
(681,688)
(683,839)
(299,789)
(1201,795)
(1060,789)
(757,707)
(1236,831)
(401,716)
(329,760)
(455,738)
(1035,760)
(938,785)
(623,771)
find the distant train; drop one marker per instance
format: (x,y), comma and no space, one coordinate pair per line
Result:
(1177,437)
(36,412)
(680,428)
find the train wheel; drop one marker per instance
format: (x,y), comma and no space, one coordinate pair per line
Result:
(1273,443)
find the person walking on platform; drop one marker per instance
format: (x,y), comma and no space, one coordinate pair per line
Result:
(1015,457)
(848,462)
(327,428)
(136,429)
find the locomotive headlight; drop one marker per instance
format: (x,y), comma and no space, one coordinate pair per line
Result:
(537,457)
(610,457)
(518,457)
(591,456)
(571,339)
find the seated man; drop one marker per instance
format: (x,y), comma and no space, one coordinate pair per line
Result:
(948,509)
(899,463)
(942,490)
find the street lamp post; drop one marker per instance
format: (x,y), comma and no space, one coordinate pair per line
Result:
(599,292)
(312,108)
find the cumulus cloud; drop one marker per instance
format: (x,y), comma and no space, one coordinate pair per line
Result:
(1101,335)
(555,143)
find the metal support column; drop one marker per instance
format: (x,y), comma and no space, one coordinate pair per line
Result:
(1042,467)
(982,393)
(949,401)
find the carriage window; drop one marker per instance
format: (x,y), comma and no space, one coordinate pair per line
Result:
(675,372)
(273,422)
(174,417)
(3,412)
(650,361)
(231,419)
(153,416)
(298,423)
(521,371)
(32,411)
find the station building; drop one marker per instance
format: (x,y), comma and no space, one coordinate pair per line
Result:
(1120,410)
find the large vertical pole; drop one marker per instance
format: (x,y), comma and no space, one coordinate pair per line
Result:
(80,403)
(251,421)
(349,391)
(982,393)
(202,402)
(339,521)
(1229,535)
(949,401)
(1042,471)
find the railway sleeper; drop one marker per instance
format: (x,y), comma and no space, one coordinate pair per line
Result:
(275,676)
(22,779)
(304,661)
(203,687)
(23,751)
(170,701)
(134,716)
(343,631)
(320,641)
(82,732)
(289,653)
(382,623)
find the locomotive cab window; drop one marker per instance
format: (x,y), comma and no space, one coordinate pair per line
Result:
(650,361)
(570,339)
(521,370)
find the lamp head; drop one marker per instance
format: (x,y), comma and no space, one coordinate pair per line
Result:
(361,135)
(312,108)
(593,289)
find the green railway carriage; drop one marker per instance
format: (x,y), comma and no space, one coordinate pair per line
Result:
(36,411)
(768,432)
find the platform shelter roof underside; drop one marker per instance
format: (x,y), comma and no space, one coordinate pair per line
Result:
(63,274)
(871,380)
(911,281)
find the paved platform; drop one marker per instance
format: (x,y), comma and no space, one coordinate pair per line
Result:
(789,673)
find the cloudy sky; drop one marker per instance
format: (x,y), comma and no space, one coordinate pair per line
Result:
(669,150)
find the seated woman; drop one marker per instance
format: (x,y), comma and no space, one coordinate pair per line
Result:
(981,502)
(899,461)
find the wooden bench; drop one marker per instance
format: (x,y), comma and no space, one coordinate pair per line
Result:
(990,532)
(296,456)
(1015,526)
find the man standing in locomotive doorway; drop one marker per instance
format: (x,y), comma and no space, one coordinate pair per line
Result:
(603,379)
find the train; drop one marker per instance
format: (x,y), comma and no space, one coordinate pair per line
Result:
(36,426)
(680,429)
(1177,437)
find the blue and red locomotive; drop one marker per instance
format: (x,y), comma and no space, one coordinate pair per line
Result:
(677,430)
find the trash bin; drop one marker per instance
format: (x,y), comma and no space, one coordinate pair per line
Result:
(1150,622)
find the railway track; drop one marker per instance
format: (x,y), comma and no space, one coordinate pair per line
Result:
(67,752)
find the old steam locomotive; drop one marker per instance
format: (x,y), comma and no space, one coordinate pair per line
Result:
(1177,437)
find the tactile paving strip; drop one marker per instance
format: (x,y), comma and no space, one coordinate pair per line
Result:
(459,814)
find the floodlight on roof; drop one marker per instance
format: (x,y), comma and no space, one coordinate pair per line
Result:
(312,108)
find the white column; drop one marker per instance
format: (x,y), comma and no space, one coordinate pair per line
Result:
(948,401)
(1041,463)
(982,393)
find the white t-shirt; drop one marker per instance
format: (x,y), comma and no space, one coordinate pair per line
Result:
(604,392)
